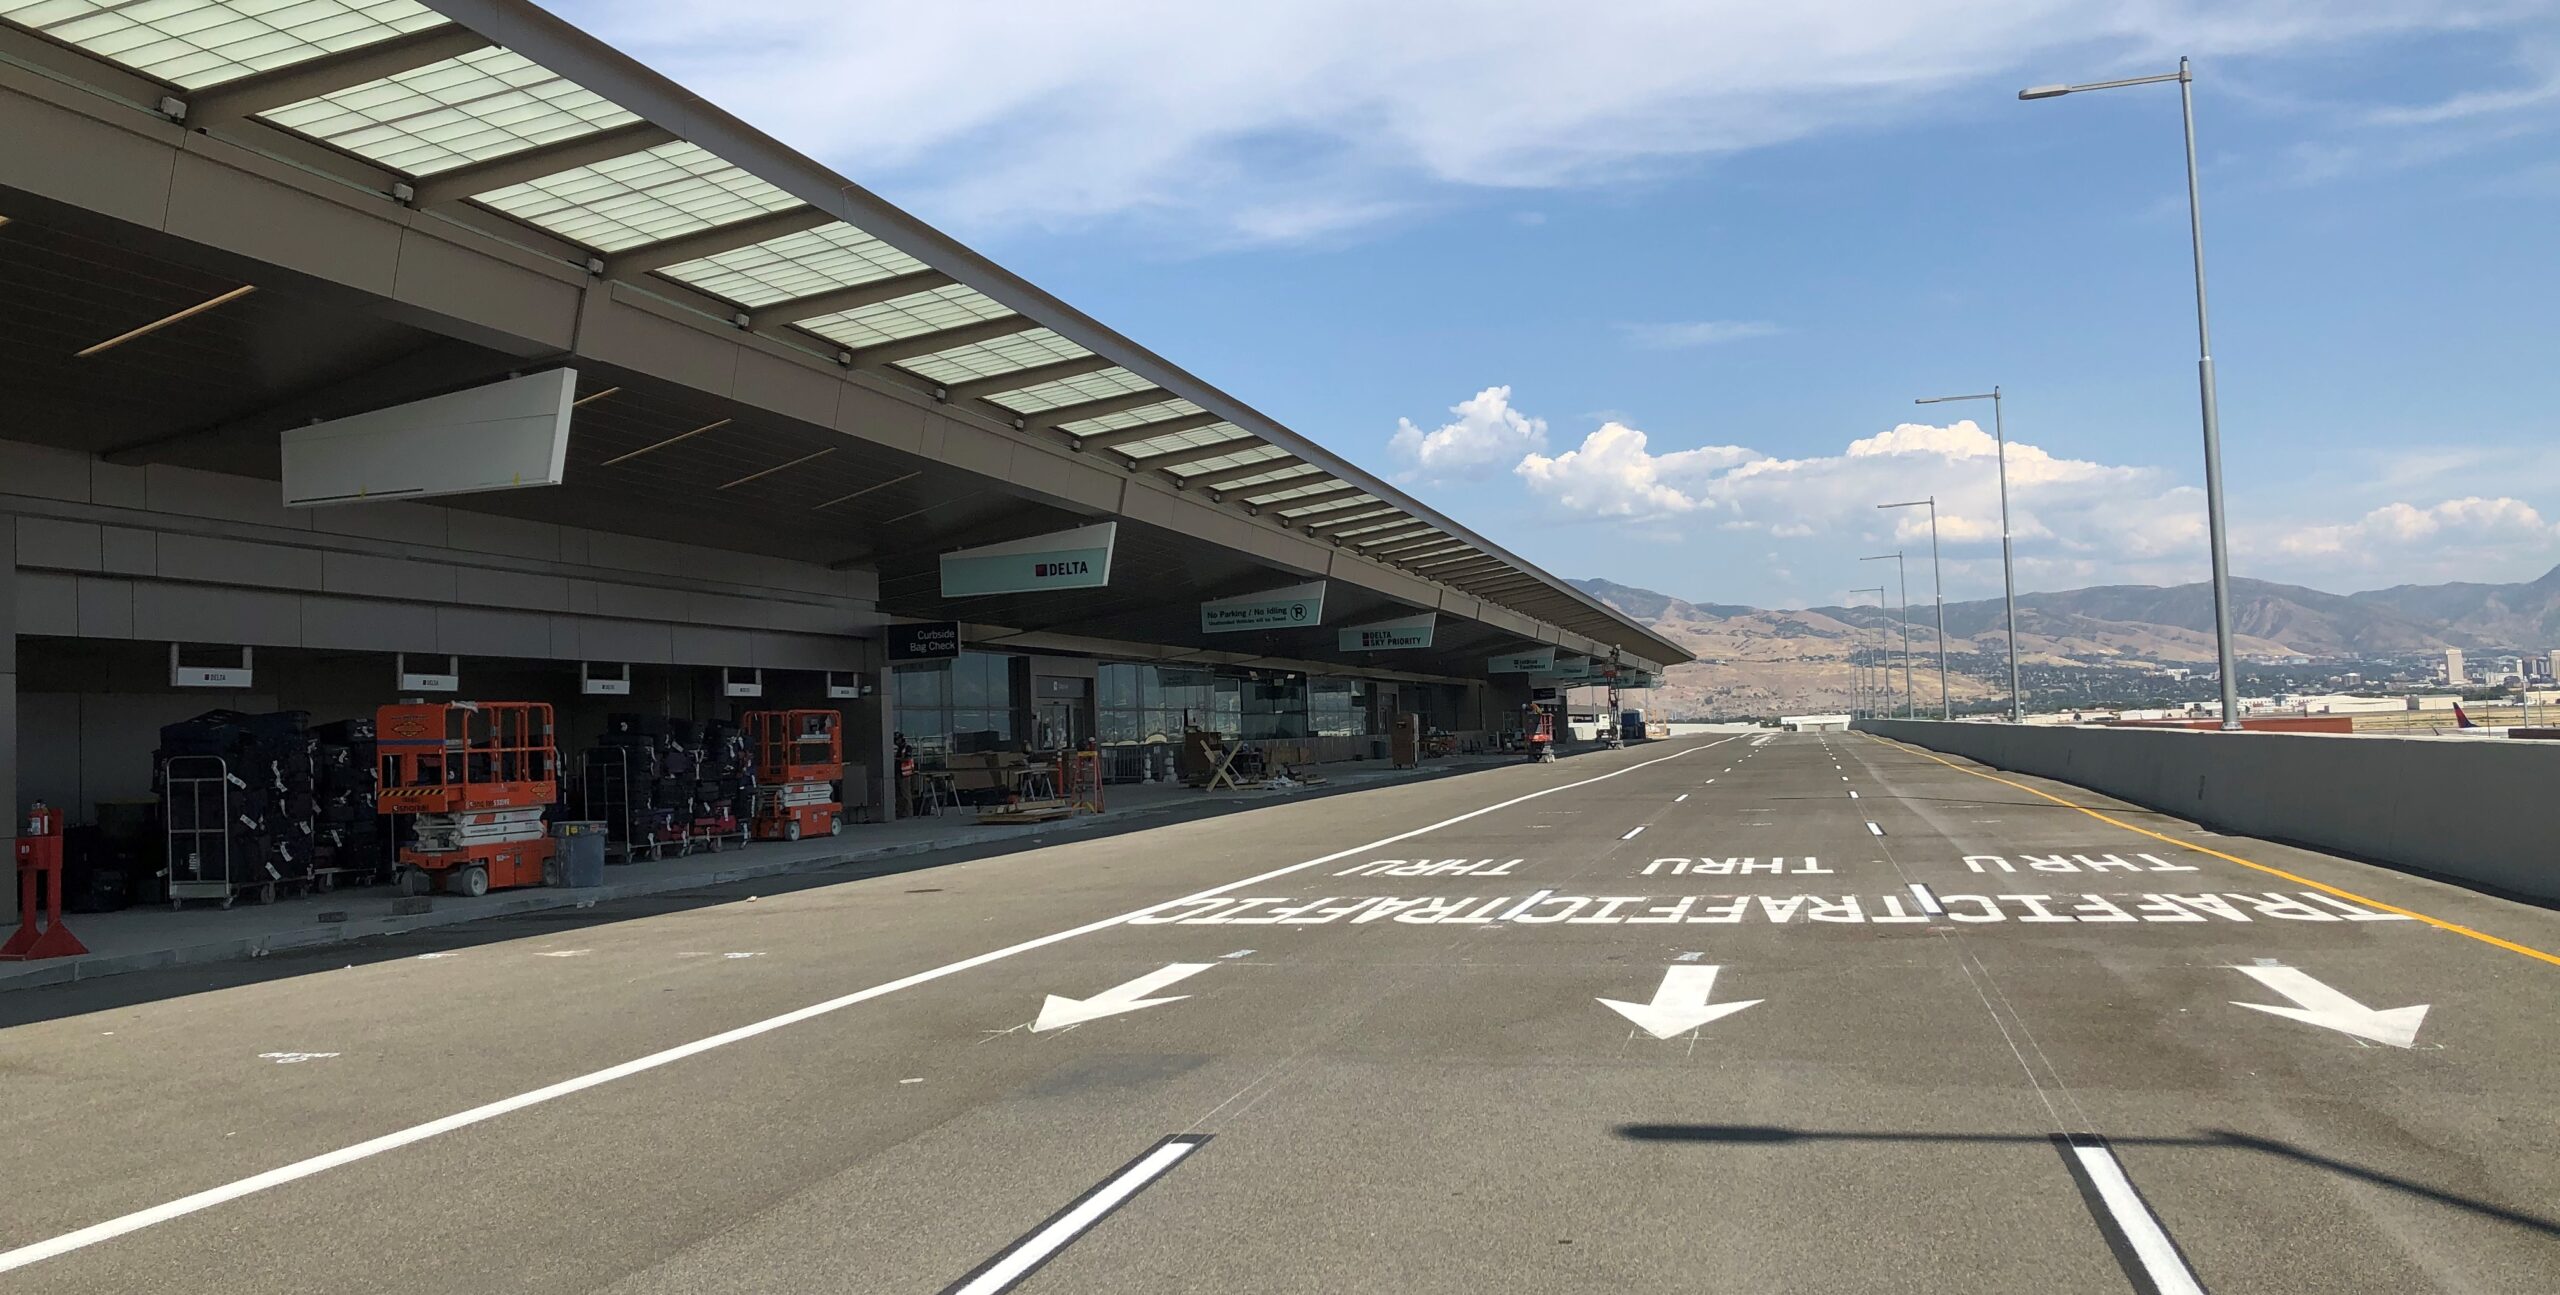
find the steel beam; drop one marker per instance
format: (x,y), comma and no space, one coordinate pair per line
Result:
(1438,542)
(534,163)
(836,301)
(1353,518)
(1363,543)
(329,73)
(981,388)
(630,263)
(1146,431)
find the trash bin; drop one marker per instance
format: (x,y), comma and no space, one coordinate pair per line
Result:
(580,852)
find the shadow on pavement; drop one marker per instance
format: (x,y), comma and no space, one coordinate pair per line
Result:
(2206,1139)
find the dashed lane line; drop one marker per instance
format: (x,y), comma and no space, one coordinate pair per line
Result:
(2437,922)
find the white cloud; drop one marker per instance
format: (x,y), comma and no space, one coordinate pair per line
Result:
(1300,120)
(1705,332)
(1486,434)
(2452,537)
(1612,474)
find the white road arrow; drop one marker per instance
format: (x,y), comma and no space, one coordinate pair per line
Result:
(2317,1004)
(1680,1005)
(1058,1013)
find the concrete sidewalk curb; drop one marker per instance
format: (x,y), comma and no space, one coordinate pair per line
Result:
(96,966)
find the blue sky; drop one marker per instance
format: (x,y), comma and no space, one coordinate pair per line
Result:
(1648,288)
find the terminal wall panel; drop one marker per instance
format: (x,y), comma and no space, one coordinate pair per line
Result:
(477,285)
(208,614)
(74,158)
(391,522)
(193,493)
(126,551)
(787,387)
(229,204)
(475,631)
(44,472)
(719,609)
(625,330)
(482,587)
(877,416)
(213,560)
(513,536)
(48,603)
(365,576)
(705,645)
(105,607)
(60,545)
(118,486)
(618,640)
(363,625)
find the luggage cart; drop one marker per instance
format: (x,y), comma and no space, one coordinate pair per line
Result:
(612,792)
(200,810)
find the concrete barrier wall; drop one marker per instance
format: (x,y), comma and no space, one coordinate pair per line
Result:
(2471,809)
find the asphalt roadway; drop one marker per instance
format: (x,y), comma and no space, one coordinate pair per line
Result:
(1779,1013)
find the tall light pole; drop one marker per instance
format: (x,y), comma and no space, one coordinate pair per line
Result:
(1938,590)
(2185,77)
(1887,671)
(1910,699)
(2008,567)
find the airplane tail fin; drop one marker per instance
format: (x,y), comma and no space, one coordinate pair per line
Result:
(2461,720)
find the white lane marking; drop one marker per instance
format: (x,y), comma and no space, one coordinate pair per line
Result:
(1523,906)
(294,1058)
(39,1251)
(1871,827)
(1853,795)
(1240,953)
(1057,1013)
(1928,901)
(1038,1248)
(2318,1004)
(1681,797)
(1844,777)
(1632,835)
(2150,1242)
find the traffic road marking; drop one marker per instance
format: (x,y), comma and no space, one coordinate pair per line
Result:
(1631,833)
(1680,1004)
(2322,886)
(2318,1004)
(1546,906)
(1058,1013)
(1041,1244)
(2076,863)
(1874,830)
(196,1202)
(2133,1230)
(1681,797)
(1927,900)
(1738,867)
(1431,868)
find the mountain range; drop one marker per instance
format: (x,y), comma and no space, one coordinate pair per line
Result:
(1753,660)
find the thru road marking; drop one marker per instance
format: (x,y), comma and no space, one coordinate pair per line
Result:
(2322,886)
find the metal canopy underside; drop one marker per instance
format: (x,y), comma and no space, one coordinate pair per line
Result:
(427,104)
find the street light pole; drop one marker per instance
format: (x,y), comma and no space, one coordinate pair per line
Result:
(1910,698)
(2008,566)
(1938,591)
(2185,77)
(1886,671)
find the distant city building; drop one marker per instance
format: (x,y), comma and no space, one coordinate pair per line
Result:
(2453,667)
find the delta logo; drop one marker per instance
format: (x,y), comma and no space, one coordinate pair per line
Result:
(1053,570)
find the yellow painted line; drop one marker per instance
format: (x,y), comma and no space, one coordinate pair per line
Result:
(2437,922)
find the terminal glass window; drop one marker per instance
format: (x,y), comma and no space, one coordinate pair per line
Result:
(1338,707)
(1274,705)
(1137,704)
(958,705)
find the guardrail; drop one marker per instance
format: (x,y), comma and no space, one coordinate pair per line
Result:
(2473,810)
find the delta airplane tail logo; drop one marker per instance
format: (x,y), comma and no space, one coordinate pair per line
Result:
(2461,720)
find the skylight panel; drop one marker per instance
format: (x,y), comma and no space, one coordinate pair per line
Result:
(648,197)
(1171,441)
(910,316)
(1074,391)
(994,359)
(199,43)
(1139,417)
(482,105)
(795,265)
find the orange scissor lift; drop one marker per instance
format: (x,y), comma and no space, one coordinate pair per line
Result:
(799,756)
(477,776)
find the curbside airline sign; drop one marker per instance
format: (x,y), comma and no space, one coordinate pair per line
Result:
(1076,559)
(1296,607)
(1390,636)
